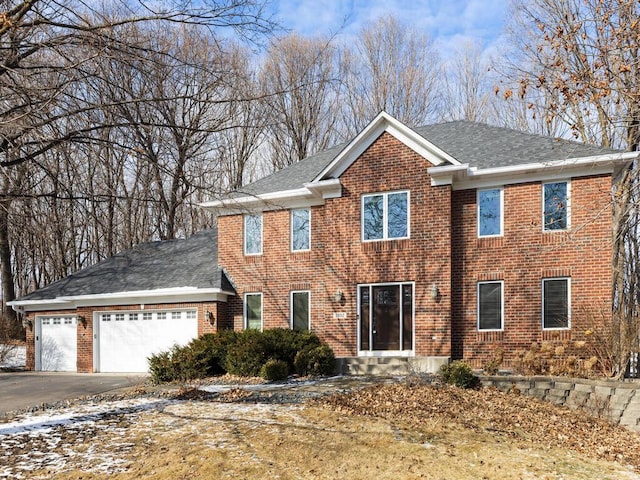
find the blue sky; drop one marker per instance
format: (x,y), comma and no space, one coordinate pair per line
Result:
(450,23)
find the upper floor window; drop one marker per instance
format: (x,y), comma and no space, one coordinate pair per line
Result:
(300,229)
(555,205)
(253,234)
(300,310)
(385,216)
(490,207)
(490,305)
(556,303)
(253,311)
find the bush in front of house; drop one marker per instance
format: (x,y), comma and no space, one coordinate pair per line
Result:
(244,353)
(274,370)
(315,360)
(458,373)
(284,344)
(202,357)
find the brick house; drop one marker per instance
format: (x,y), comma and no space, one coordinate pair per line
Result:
(411,245)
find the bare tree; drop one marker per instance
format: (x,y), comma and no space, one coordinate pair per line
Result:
(299,79)
(584,56)
(467,86)
(393,68)
(49,50)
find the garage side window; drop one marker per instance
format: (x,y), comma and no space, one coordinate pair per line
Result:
(253,311)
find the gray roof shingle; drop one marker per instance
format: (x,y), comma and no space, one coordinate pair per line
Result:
(478,144)
(190,262)
(485,146)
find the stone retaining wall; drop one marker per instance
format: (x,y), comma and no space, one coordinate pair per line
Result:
(616,401)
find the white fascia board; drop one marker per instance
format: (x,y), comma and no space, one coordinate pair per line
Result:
(311,194)
(163,295)
(447,174)
(531,172)
(384,123)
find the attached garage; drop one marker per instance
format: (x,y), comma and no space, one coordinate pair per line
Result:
(125,340)
(56,343)
(111,316)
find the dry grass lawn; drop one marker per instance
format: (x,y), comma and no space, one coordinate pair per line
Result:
(207,440)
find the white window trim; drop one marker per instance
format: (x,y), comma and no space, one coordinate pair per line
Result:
(245,320)
(387,353)
(244,233)
(485,282)
(501,233)
(385,217)
(568,279)
(291,230)
(568,182)
(308,292)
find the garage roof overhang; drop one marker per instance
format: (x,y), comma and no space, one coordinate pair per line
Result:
(163,295)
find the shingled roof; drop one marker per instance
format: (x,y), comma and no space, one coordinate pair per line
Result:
(479,145)
(190,262)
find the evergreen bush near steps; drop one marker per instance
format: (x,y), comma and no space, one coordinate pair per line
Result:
(460,374)
(244,353)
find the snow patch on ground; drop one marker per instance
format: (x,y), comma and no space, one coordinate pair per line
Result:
(97,437)
(50,440)
(16,357)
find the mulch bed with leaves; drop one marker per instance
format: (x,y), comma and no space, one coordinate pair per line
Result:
(521,418)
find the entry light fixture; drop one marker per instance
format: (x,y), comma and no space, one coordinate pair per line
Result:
(210,318)
(27,323)
(82,320)
(338,296)
(434,292)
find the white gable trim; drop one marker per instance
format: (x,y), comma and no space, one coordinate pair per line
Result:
(464,177)
(384,123)
(162,295)
(311,194)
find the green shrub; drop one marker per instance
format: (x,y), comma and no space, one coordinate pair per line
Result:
(315,360)
(202,357)
(211,350)
(247,354)
(274,370)
(161,367)
(243,353)
(174,364)
(459,373)
(284,344)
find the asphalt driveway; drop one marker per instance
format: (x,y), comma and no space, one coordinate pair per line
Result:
(19,390)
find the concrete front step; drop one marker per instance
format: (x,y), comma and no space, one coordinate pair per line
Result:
(389,365)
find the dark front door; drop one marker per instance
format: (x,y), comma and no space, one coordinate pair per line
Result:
(386,317)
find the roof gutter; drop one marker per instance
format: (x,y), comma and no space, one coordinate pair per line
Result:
(312,193)
(462,177)
(163,295)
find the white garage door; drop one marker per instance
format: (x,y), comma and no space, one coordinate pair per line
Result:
(126,339)
(56,344)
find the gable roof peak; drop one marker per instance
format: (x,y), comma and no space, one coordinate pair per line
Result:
(383,122)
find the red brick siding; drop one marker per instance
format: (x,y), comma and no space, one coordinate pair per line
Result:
(522,258)
(339,260)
